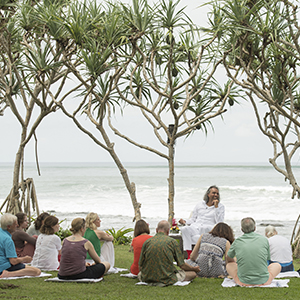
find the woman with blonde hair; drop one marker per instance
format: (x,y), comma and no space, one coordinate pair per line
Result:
(73,255)
(48,246)
(94,235)
(280,249)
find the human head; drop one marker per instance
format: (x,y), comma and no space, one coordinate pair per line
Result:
(21,217)
(90,220)
(49,223)
(39,220)
(77,224)
(248,225)
(223,230)
(163,226)
(270,231)
(8,222)
(141,227)
(206,198)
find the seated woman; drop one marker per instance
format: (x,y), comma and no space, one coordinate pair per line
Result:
(73,255)
(47,246)
(34,229)
(209,251)
(141,233)
(94,235)
(280,249)
(24,243)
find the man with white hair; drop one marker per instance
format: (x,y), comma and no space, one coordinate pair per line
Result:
(252,253)
(205,216)
(10,264)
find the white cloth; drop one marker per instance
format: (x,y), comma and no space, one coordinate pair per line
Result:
(20,277)
(82,280)
(46,252)
(129,275)
(275,283)
(288,274)
(202,220)
(108,253)
(178,283)
(280,249)
(32,231)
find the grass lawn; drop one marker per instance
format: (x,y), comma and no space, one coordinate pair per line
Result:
(116,287)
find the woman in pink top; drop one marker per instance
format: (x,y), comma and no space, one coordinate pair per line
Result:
(73,255)
(24,243)
(141,233)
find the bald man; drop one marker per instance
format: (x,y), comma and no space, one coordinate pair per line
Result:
(157,257)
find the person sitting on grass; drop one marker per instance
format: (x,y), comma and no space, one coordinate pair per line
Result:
(157,256)
(73,255)
(209,251)
(280,249)
(24,243)
(34,229)
(10,264)
(48,246)
(94,235)
(252,253)
(141,234)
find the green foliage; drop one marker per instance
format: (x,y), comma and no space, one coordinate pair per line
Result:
(63,233)
(120,237)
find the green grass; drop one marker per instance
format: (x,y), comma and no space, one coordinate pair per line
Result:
(116,287)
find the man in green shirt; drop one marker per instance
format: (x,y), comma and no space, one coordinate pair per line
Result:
(157,257)
(252,253)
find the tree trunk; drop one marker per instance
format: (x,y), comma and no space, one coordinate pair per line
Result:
(171,183)
(129,185)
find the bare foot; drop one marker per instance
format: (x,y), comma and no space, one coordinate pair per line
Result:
(4,274)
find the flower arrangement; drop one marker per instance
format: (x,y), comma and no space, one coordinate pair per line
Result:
(174,228)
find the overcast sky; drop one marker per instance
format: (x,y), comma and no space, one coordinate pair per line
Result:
(236,138)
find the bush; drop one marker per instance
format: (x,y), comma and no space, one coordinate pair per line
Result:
(119,236)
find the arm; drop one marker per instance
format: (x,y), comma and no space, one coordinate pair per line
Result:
(195,251)
(103,236)
(18,260)
(193,217)
(220,213)
(187,267)
(27,238)
(90,249)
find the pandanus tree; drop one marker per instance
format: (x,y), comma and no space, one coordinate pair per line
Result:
(105,38)
(170,80)
(260,40)
(31,64)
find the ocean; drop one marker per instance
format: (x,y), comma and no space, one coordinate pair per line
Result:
(71,190)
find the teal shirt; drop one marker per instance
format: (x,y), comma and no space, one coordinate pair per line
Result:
(252,252)
(93,238)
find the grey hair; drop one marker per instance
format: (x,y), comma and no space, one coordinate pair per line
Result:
(7,220)
(248,225)
(205,198)
(270,231)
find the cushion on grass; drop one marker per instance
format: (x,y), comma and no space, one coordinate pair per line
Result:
(41,275)
(275,283)
(83,280)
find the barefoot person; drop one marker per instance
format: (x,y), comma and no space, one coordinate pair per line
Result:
(252,253)
(205,216)
(10,264)
(157,256)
